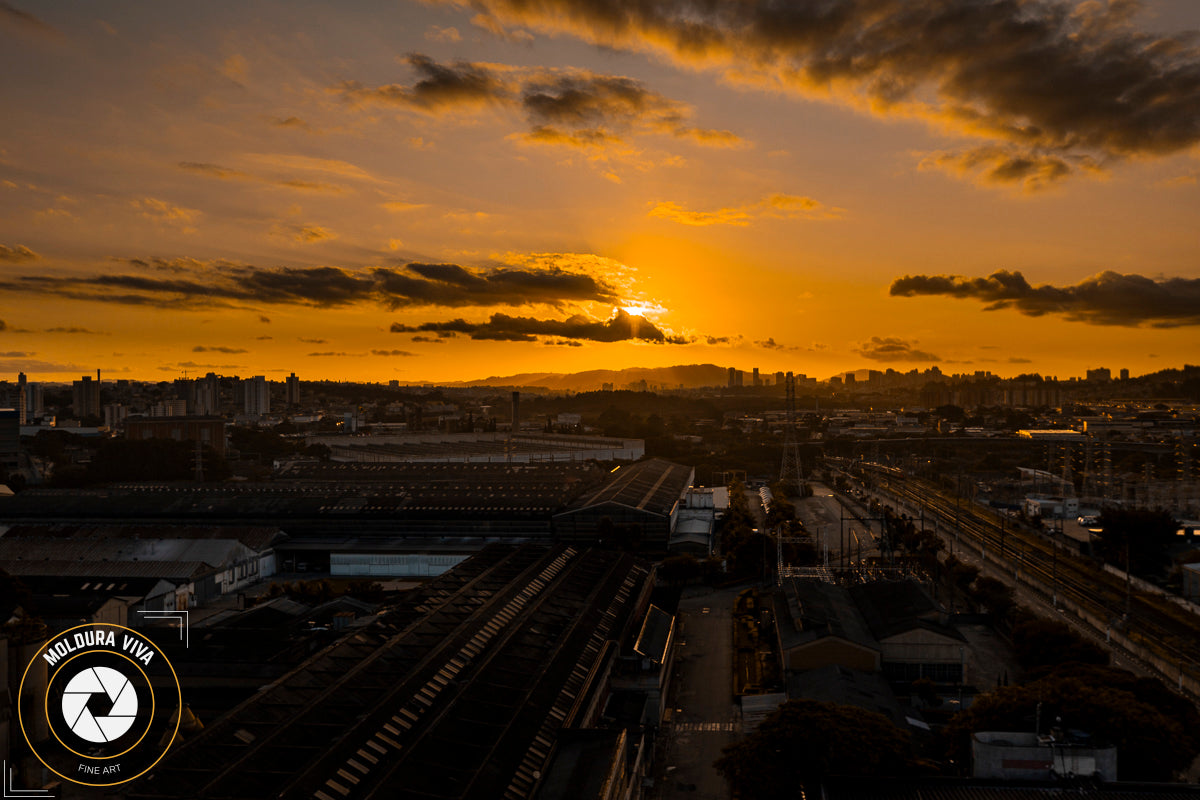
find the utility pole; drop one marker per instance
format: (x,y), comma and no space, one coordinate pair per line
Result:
(789,470)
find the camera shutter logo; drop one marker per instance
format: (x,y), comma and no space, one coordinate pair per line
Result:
(78,695)
(99,704)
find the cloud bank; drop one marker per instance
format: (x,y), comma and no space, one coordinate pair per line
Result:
(503,327)
(572,107)
(1056,86)
(888,348)
(1109,298)
(186,283)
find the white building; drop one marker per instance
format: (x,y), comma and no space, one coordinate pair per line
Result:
(258,397)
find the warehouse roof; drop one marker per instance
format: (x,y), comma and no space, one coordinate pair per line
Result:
(459,692)
(256,537)
(654,486)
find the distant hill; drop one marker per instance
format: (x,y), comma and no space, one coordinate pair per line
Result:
(689,376)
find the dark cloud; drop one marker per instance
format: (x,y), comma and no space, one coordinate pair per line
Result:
(593,108)
(227,350)
(502,327)
(87,331)
(18,254)
(1001,165)
(400,353)
(264,338)
(37,365)
(228,174)
(22,21)
(1018,360)
(194,365)
(717,340)
(563,343)
(1109,298)
(262,318)
(438,86)
(194,284)
(214,170)
(883,348)
(330,353)
(312,341)
(562,106)
(17,354)
(771,344)
(439,339)
(1048,77)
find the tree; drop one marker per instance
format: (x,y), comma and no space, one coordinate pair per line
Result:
(152,459)
(951,413)
(1152,728)
(1139,535)
(319,451)
(804,741)
(679,569)
(1042,644)
(995,596)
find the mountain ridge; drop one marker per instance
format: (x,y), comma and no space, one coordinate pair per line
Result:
(687,376)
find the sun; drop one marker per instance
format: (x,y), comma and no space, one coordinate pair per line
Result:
(642,309)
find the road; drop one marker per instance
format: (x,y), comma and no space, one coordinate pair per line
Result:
(706,716)
(822,517)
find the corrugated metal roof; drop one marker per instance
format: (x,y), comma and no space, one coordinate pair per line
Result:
(653,485)
(218,552)
(172,570)
(257,537)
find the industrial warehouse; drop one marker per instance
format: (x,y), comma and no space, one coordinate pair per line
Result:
(483,683)
(371,520)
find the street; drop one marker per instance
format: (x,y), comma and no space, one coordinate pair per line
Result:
(705,715)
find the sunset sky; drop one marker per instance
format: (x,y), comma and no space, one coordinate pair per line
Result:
(451,190)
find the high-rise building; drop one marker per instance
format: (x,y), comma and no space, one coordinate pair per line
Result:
(779,378)
(22,398)
(258,396)
(185,390)
(1102,374)
(115,414)
(85,397)
(1124,374)
(208,395)
(292,390)
(35,401)
(757,379)
(170,407)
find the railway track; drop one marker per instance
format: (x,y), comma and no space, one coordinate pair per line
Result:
(1150,627)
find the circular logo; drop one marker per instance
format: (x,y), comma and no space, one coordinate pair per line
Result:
(99,682)
(99,704)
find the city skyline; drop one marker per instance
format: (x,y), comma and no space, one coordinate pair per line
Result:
(443,191)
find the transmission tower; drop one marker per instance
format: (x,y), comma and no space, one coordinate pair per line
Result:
(789,470)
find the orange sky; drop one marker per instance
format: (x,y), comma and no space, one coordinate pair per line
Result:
(447,191)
